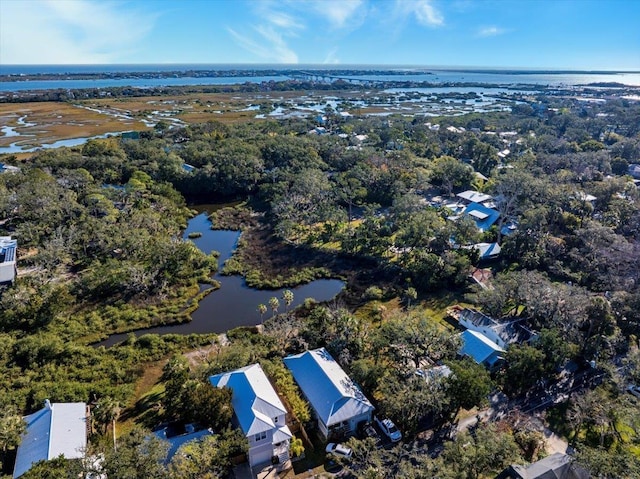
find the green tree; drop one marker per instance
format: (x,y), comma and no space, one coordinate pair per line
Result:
(477,455)
(106,412)
(57,468)
(208,458)
(140,455)
(411,340)
(407,399)
(287,297)
(175,375)
(614,463)
(449,173)
(206,405)
(468,386)
(525,366)
(262,309)
(411,294)
(12,426)
(274,304)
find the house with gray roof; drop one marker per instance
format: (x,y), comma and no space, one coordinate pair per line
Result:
(502,333)
(336,400)
(555,466)
(56,429)
(471,196)
(259,412)
(8,269)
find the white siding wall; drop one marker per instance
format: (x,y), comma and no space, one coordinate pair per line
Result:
(260,451)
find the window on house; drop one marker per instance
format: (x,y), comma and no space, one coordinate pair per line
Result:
(275,419)
(260,436)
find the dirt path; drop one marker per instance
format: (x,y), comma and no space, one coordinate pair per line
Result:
(201,354)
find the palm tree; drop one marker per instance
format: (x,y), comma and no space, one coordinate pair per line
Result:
(411,294)
(262,309)
(287,297)
(107,411)
(274,303)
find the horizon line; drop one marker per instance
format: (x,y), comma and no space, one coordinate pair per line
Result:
(340,66)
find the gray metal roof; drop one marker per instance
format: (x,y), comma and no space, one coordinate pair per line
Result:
(555,466)
(332,394)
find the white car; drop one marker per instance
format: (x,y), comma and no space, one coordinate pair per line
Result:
(635,390)
(389,429)
(338,450)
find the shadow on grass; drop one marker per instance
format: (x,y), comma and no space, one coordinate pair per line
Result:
(312,458)
(147,411)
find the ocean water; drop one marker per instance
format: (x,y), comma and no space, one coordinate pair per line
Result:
(436,75)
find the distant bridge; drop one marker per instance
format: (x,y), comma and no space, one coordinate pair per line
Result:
(326,78)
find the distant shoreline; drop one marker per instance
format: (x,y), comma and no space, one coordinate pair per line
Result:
(190,73)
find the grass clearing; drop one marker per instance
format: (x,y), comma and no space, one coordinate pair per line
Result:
(143,407)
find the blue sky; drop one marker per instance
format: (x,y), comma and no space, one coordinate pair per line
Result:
(561,34)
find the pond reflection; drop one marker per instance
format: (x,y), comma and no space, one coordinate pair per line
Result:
(234,304)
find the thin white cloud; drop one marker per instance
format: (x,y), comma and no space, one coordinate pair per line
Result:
(331,57)
(424,11)
(281,51)
(491,31)
(283,20)
(339,13)
(276,23)
(268,37)
(69,31)
(275,49)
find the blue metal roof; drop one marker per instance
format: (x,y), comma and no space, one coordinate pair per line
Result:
(483,216)
(478,346)
(254,400)
(8,249)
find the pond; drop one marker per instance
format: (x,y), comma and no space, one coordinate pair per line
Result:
(234,304)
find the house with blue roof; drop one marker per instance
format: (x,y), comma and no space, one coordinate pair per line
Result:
(483,216)
(4,168)
(481,349)
(8,249)
(259,412)
(336,400)
(58,429)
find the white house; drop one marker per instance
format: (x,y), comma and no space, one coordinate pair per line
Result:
(501,333)
(8,269)
(471,196)
(58,428)
(337,401)
(259,413)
